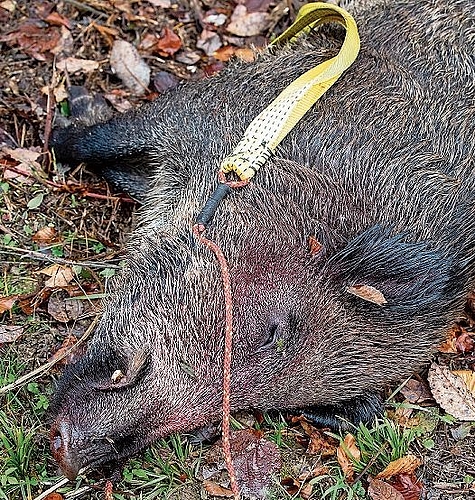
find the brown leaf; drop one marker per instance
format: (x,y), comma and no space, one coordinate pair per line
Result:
(403,465)
(368,293)
(169,42)
(346,454)
(54,496)
(306,491)
(319,442)
(244,23)
(73,65)
(68,342)
(209,42)
(291,485)
(451,393)
(225,53)
(45,236)
(63,309)
(61,276)
(10,333)
(314,245)
(6,303)
(380,490)
(245,54)
(464,343)
(33,39)
(408,485)
(416,391)
(217,490)
(255,460)
(164,81)
(58,20)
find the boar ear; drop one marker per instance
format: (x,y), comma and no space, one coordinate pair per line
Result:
(127,374)
(391,271)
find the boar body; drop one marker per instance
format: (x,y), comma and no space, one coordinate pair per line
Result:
(380,172)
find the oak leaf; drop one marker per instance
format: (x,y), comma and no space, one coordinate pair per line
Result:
(403,465)
(451,392)
(368,293)
(346,454)
(380,490)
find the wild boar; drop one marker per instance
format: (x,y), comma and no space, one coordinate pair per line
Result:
(380,173)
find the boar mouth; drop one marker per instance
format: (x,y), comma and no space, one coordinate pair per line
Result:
(107,455)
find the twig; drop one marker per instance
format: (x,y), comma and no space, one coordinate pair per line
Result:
(49,112)
(44,368)
(88,8)
(52,489)
(371,462)
(56,260)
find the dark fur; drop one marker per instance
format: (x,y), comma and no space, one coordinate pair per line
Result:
(380,171)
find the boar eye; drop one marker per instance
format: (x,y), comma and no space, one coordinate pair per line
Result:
(273,334)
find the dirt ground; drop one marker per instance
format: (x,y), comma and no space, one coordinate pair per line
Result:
(53,217)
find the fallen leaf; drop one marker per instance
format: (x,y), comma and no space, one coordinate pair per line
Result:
(416,391)
(256,460)
(346,454)
(217,490)
(215,19)
(408,485)
(61,276)
(45,235)
(244,23)
(225,53)
(68,342)
(209,42)
(73,65)
(451,393)
(36,201)
(8,5)
(319,442)
(468,377)
(127,64)
(380,490)
(464,343)
(165,4)
(291,485)
(62,308)
(54,496)
(34,39)
(306,490)
(257,5)
(403,465)
(368,293)
(6,303)
(163,81)
(10,333)
(245,54)
(168,43)
(58,20)
(314,245)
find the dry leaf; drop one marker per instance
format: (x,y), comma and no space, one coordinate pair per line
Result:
(368,293)
(6,303)
(319,442)
(464,343)
(217,490)
(164,81)
(468,377)
(169,42)
(126,62)
(61,276)
(58,20)
(380,490)
(75,65)
(408,485)
(45,235)
(245,54)
(9,333)
(63,309)
(306,491)
(54,496)
(346,454)
(244,23)
(314,245)
(404,465)
(225,53)
(209,42)
(416,391)
(451,393)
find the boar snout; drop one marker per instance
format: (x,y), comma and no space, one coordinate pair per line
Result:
(60,438)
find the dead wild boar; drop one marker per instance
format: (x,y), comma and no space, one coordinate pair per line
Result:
(380,172)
